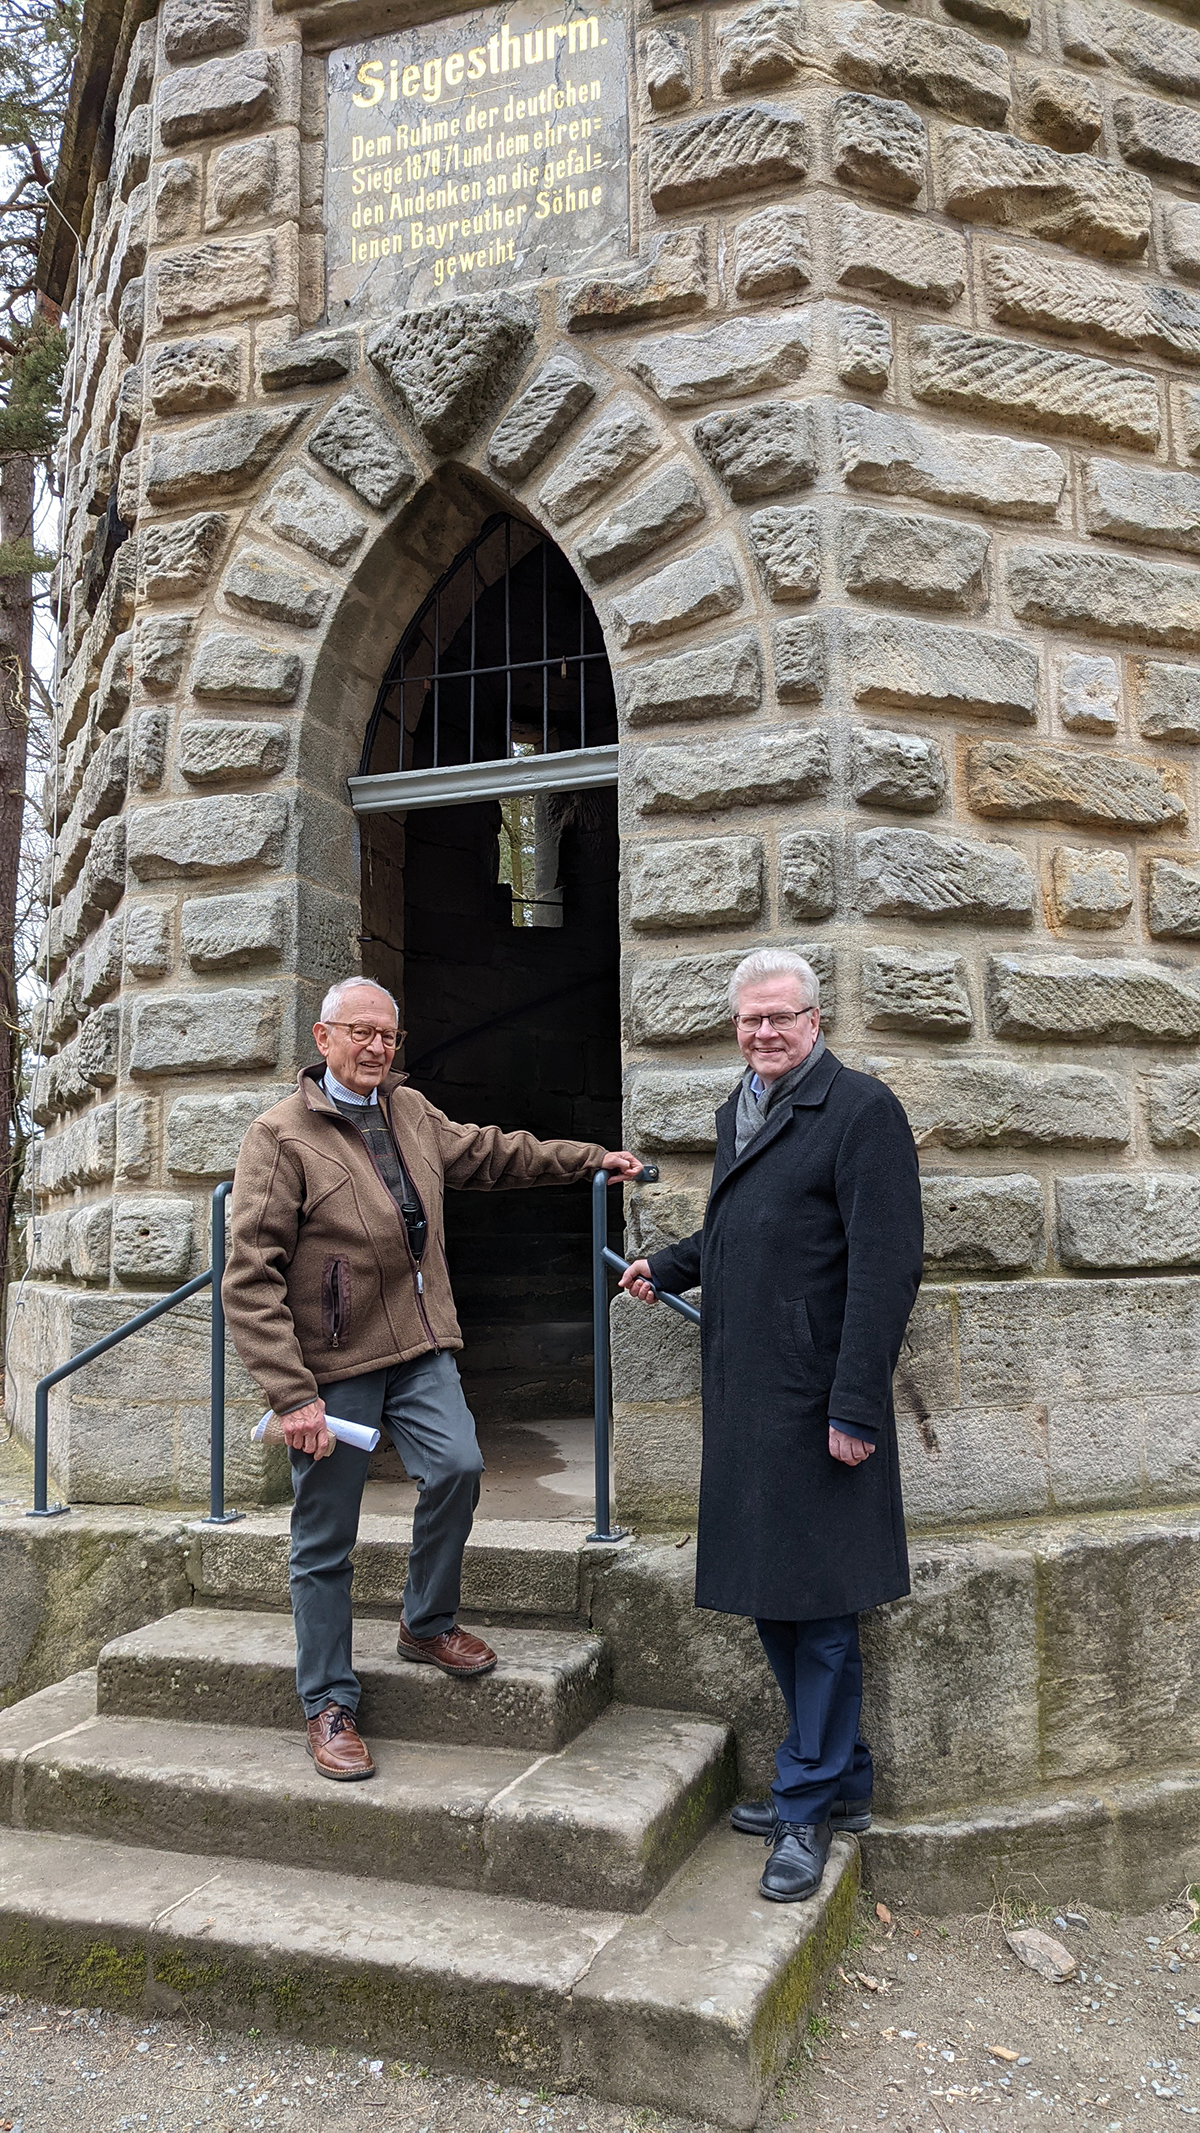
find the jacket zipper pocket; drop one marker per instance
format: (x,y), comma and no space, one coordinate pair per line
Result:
(335,1300)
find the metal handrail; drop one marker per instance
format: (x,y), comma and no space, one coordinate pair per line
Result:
(217,1513)
(602,1259)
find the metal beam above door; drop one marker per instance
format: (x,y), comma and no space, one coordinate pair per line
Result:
(456,784)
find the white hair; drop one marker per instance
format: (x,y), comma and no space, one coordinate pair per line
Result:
(775,963)
(337,993)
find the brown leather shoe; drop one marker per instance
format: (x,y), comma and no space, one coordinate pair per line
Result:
(454,1652)
(336,1745)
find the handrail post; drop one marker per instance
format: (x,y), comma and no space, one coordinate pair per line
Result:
(41,1456)
(217,1513)
(605,1530)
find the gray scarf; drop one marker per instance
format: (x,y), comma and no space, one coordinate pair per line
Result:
(752,1110)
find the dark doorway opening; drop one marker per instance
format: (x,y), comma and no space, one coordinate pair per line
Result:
(494,920)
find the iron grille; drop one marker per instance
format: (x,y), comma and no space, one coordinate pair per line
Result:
(504,658)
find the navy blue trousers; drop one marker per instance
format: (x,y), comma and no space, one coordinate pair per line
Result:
(818,1666)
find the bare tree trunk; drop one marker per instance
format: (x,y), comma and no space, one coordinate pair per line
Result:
(16,647)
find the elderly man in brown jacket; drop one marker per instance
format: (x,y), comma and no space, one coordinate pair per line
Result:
(337,1295)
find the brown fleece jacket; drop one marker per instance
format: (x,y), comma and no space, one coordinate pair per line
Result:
(320,1282)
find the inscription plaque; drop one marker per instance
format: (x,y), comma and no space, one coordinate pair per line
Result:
(486,150)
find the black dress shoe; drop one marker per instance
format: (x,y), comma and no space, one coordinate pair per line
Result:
(799,1851)
(757,1818)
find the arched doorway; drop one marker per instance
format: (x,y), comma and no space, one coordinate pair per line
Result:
(487,800)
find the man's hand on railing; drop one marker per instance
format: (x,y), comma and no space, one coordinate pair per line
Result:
(621,1166)
(636,1279)
(304,1430)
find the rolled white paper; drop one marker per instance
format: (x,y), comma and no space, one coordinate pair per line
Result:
(356,1433)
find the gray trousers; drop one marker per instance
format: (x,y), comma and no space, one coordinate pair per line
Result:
(421,1407)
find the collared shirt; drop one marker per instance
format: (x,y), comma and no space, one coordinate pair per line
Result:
(333,1088)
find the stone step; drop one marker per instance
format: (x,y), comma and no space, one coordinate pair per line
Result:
(693,2007)
(602,1823)
(206,1663)
(537,1568)
(1125,1844)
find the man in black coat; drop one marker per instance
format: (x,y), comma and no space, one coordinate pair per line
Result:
(810,1257)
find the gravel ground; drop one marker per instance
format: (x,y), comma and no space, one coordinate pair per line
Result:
(930,2024)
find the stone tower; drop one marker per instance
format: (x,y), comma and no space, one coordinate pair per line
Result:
(866,420)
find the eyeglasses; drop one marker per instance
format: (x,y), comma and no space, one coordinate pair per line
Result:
(363,1032)
(785,1019)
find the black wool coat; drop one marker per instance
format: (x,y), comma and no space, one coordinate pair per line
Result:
(809,1258)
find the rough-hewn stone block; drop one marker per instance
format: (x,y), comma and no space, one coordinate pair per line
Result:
(678,1110)
(741,355)
(1174,1108)
(922,666)
(758,768)
(217,836)
(764,45)
(83,1153)
(355,442)
(664,506)
(806,877)
(674,1000)
(667,69)
(1167,700)
(1072,785)
(232,932)
(1172,901)
(89,1233)
(448,362)
(786,545)
(230,274)
(1014,184)
(913,562)
(889,255)
(900,770)
(315,359)
(148,951)
(895,456)
(760,450)
(218,457)
(244,181)
(1063,996)
(672,283)
(204,1032)
(176,199)
(709,881)
(220,751)
(1129,1222)
(879,144)
(716,681)
(863,349)
(204,1133)
(160,645)
(1150,47)
(1181,237)
(772,253)
(1091,887)
(621,439)
(194,28)
(190,377)
(258,584)
(704,585)
(553,400)
(227,665)
(1089,693)
(798,650)
(992,1103)
(1111,595)
(307,514)
(1158,136)
(993,1224)
(1063,108)
(748,149)
(178,559)
(903,988)
(926,62)
(1082,302)
(906,873)
(220,97)
(1132,503)
(151,1239)
(1072,394)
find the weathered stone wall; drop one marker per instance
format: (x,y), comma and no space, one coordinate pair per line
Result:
(876,461)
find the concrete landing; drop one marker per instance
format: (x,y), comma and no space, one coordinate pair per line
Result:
(694,2006)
